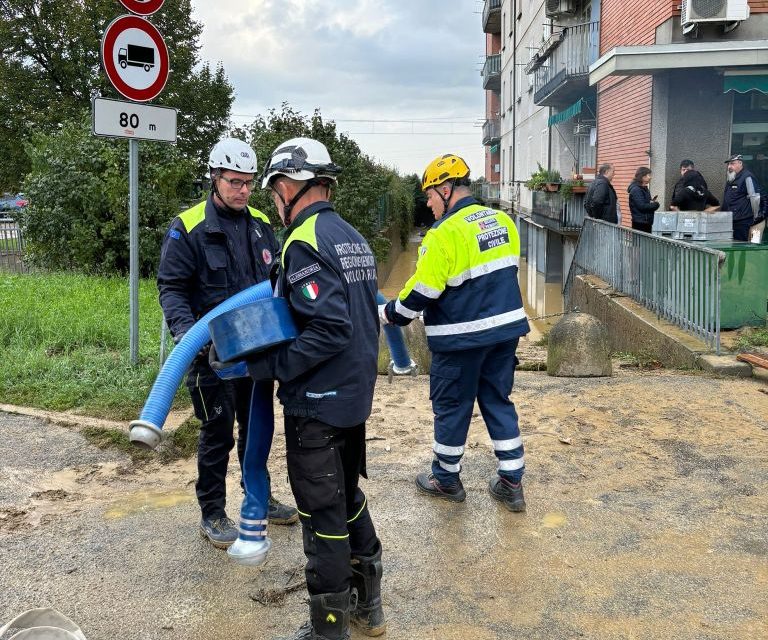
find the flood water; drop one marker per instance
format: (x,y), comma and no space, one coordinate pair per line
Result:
(539,297)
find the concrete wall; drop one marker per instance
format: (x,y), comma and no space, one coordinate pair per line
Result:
(697,122)
(634,329)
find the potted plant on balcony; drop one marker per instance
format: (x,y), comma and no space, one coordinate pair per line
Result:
(569,187)
(544,179)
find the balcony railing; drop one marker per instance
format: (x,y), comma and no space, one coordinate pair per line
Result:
(565,73)
(492,16)
(488,192)
(558,213)
(492,72)
(491,131)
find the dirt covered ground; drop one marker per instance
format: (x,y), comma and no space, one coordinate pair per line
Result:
(647,518)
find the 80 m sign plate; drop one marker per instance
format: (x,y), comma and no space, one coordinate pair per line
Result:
(121,119)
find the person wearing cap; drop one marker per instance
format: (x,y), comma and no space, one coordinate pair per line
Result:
(327,274)
(743,197)
(466,288)
(211,252)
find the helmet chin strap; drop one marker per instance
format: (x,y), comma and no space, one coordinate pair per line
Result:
(448,199)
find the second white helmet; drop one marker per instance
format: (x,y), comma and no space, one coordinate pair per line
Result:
(300,159)
(232,154)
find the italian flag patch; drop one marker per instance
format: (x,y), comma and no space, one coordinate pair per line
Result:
(310,290)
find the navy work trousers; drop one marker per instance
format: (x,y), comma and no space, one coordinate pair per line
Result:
(324,465)
(218,404)
(456,379)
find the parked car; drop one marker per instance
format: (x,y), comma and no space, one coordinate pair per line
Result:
(10,202)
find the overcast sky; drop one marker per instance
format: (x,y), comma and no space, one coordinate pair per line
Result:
(359,61)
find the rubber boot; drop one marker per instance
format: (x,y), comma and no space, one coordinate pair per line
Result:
(368,616)
(328,618)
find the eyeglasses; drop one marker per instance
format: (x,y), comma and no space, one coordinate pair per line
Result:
(238,184)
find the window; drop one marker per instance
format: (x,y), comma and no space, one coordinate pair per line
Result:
(501,97)
(511,165)
(511,89)
(501,177)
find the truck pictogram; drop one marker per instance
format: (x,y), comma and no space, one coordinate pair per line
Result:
(135,55)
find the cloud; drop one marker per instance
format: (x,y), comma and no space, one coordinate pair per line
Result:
(363,59)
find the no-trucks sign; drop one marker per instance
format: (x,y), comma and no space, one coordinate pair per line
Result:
(135,58)
(142,7)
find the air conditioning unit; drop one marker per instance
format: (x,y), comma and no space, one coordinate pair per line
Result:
(727,11)
(556,8)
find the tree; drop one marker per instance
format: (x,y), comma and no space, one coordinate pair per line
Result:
(50,70)
(78,190)
(362,184)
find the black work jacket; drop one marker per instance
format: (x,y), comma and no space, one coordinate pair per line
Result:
(201,265)
(327,273)
(736,198)
(641,206)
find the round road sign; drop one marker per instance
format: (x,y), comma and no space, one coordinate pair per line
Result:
(135,58)
(142,7)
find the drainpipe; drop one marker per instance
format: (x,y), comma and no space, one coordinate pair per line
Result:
(513,17)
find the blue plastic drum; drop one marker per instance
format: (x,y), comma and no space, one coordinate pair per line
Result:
(252,328)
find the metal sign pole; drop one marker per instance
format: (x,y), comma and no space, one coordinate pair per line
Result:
(133,225)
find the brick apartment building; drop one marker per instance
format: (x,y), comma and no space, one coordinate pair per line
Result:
(571,84)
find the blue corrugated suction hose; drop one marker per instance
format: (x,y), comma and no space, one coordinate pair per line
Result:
(401,363)
(147,431)
(252,545)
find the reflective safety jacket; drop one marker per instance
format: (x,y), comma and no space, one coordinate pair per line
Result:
(466,281)
(328,276)
(201,265)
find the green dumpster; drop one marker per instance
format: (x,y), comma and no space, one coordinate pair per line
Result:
(743,283)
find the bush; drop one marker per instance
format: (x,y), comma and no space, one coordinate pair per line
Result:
(77,218)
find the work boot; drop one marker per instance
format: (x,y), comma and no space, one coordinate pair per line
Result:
(278,513)
(220,532)
(368,616)
(328,618)
(509,493)
(427,483)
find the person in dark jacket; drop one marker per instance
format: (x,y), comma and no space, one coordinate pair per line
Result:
(690,192)
(600,199)
(743,197)
(211,252)
(327,274)
(641,205)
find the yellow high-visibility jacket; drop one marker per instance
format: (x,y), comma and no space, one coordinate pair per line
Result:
(465,282)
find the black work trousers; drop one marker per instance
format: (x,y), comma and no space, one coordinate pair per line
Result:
(218,404)
(324,465)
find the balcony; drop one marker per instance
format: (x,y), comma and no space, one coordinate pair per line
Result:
(551,210)
(491,131)
(492,73)
(487,192)
(492,16)
(564,74)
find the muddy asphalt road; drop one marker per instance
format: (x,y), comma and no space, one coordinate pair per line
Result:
(647,518)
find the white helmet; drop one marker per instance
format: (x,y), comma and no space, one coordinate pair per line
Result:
(232,154)
(300,159)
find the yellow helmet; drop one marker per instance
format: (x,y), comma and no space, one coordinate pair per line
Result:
(443,168)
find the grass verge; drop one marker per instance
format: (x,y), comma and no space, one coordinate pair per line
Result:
(65,344)
(180,443)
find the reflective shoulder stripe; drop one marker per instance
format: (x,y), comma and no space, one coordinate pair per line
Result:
(475,325)
(484,269)
(258,215)
(193,217)
(305,233)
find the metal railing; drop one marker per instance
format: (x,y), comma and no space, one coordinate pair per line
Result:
(490,6)
(491,130)
(570,58)
(678,281)
(11,247)
(492,72)
(567,212)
